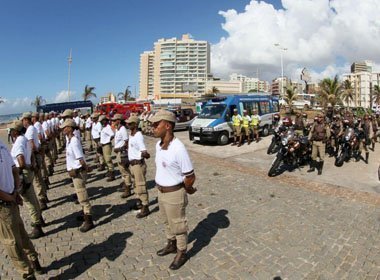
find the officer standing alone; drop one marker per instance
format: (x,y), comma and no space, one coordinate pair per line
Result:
(174,180)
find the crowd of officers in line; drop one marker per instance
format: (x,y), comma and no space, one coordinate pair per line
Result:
(327,129)
(38,138)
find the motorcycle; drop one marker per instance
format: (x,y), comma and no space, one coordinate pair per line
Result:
(276,139)
(294,151)
(348,146)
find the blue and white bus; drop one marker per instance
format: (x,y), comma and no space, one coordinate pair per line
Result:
(214,123)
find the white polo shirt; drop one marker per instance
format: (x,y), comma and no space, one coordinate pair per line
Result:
(39,128)
(106,134)
(121,135)
(32,134)
(172,164)
(74,153)
(135,146)
(77,120)
(95,131)
(19,147)
(6,164)
(45,128)
(88,123)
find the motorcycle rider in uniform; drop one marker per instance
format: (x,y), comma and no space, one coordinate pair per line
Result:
(336,132)
(319,133)
(299,124)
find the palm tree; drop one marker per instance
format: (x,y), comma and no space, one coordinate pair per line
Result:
(376,94)
(214,90)
(87,94)
(348,93)
(290,95)
(126,95)
(38,101)
(330,91)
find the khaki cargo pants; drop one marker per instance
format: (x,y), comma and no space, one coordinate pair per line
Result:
(107,154)
(30,198)
(173,215)
(38,182)
(138,172)
(318,149)
(15,239)
(79,182)
(125,173)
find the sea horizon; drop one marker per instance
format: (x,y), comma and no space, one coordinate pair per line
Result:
(4,119)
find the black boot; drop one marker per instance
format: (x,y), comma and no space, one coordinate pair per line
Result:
(312,166)
(37,232)
(127,192)
(37,267)
(179,260)
(88,224)
(144,212)
(373,146)
(320,167)
(366,157)
(170,248)
(111,176)
(137,205)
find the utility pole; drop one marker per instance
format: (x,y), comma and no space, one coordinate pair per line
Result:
(69,59)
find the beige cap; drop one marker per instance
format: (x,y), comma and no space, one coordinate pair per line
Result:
(35,114)
(163,115)
(67,113)
(26,115)
(133,119)
(46,115)
(95,115)
(102,118)
(68,122)
(17,125)
(117,117)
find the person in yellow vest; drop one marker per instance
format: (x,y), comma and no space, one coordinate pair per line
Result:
(236,123)
(245,126)
(255,122)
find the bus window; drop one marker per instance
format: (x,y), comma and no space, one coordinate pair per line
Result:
(275,105)
(249,106)
(264,107)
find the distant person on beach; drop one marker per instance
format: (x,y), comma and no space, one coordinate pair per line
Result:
(9,135)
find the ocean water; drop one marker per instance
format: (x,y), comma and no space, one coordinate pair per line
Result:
(9,118)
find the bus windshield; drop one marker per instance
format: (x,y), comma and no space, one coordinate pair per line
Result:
(212,111)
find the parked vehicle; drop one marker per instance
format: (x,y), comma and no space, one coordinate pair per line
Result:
(214,124)
(348,147)
(184,118)
(83,106)
(294,151)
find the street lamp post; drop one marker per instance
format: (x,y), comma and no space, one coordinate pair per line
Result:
(69,60)
(282,49)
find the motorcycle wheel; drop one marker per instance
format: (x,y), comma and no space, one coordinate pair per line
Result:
(340,159)
(273,169)
(271,147)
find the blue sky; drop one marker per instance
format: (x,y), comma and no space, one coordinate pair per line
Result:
(107,38)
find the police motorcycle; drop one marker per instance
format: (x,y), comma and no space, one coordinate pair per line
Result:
(295,150)
(348,145)
(278,130)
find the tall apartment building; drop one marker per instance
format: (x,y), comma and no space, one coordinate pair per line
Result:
(251,84)
(175,69)
(362,81)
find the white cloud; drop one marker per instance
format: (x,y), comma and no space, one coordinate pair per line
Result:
(17,105)
(63,96)
(324,36)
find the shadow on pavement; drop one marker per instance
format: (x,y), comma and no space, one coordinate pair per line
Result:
(206,230)
(90,255)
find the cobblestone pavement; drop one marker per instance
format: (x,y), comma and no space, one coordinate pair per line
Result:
(243,225)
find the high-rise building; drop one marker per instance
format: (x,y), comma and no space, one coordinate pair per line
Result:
(363,66)
(175,69)
(251,84)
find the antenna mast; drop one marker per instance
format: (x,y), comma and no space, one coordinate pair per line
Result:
(69,59)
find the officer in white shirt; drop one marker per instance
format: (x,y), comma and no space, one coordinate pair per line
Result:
(77,169)
(49,162)
(95,133)
(106,136)
(137,153)
(88,125)
(39,184)
(174,180)
(22,158)
(12,234)
(121,151)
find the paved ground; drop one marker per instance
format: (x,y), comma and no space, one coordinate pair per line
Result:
(243,224)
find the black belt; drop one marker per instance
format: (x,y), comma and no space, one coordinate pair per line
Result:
(109,143)
(171,188)
(136,161)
